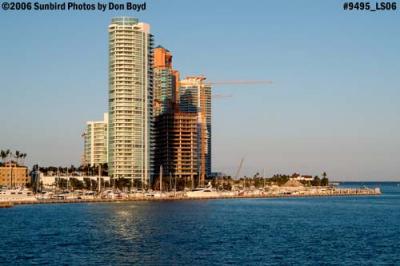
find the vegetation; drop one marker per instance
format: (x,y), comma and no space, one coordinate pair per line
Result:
(226,182)
(75,171)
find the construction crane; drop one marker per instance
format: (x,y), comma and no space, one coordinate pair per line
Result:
(240,168)
(202,115)
(234,82)
(239,82)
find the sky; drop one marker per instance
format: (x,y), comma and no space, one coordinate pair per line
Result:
(333,105)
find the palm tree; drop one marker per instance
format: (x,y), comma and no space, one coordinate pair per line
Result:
(3,155)
(8,153)
(17,155)
(72,169)
(23,156)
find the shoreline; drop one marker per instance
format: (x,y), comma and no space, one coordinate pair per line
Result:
(355,193)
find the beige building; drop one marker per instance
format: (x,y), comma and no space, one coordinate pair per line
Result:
(195,97)
(96,142)
(176,135)
(130,99)
(12,175)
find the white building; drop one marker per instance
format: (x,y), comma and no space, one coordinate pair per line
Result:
(130,99)
(50,181)
(96,142)
(298,177)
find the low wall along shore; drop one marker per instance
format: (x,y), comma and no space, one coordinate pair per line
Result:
(204,196)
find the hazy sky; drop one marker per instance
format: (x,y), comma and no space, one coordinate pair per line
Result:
(334,105)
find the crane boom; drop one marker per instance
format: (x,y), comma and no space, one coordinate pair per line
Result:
(240,168)
(239,82)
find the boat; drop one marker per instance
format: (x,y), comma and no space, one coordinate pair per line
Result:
(16,195)
(202,193)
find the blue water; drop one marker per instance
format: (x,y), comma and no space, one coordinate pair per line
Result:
(302,231)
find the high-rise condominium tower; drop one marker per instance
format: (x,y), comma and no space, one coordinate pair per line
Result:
(195,97)
(130,99)
(166,82)
(175,132)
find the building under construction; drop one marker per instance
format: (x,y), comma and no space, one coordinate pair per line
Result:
(195,97)
(182,111)
(177,147)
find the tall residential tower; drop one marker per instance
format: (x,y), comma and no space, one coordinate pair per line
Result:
(195,97)
(130,99)
(175,131)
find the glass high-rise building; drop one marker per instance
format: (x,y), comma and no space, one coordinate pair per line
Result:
(195,97)
(130,99)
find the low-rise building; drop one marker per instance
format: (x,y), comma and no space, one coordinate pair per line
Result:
(13,175)
(299,177)
(51,181)
(96,142)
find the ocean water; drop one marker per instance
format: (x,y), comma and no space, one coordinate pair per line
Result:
(296,231)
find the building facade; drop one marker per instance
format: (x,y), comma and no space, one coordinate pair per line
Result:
(130,140)
(166,82)
(176,131)
(195,97)
(176,146)
(96,142)
(13,175)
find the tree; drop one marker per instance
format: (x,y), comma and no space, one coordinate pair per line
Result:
(316,181)
(3,155)
(137,183)
(122,183)
(75,183)
(72,169)
(227,186)
(87,182)
(23,156)
(324,180)
(17,155)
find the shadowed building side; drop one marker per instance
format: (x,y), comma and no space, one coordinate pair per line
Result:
(176,135)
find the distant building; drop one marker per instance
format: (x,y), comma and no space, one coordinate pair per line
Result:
(293,183)
(51,181)
(182,112)
(176,152)
(299,177)
(96,142)
(195,97)
(218,174)
(130,99)
(166,81)
(13,175)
